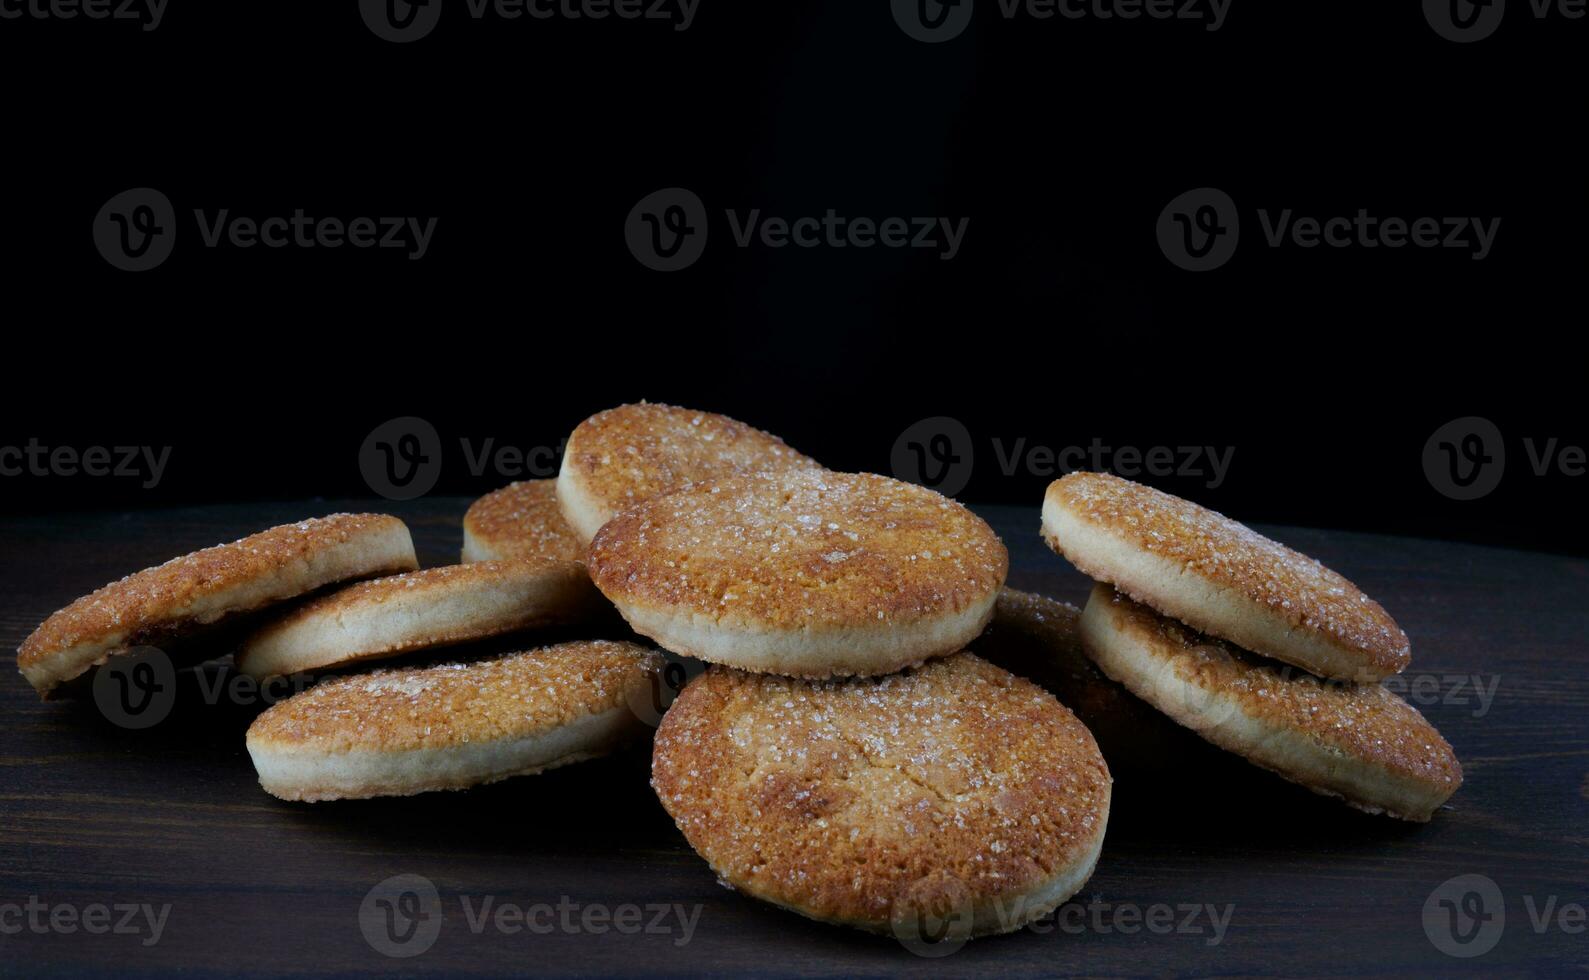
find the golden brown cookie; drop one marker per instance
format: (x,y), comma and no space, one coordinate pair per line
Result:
(194,593)
(1221,577)
(452,726)
(629,454)
(810,573)
(522,520)
(1358,742)
(436,607)
(955,787)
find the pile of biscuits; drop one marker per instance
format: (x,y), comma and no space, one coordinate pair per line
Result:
(1259,649)
(840,751)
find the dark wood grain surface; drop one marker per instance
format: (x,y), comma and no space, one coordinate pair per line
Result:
(95,814)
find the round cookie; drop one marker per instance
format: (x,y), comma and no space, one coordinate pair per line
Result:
(809,574)
(191,596)
(452,726)
(1221,577)
(522,520)
(1039,638)
(629,454)
(434,607)
(1359,742)
(867,800)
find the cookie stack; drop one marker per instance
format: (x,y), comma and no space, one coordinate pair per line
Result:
(1257,648)
(841,757)
(322,595)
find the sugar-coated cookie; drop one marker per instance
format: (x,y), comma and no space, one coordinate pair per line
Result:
(1221,577)
(955,789)
(1359,742)
(452,726)
(189,595)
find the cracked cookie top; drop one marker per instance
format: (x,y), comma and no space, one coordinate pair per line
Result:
(841,798)
(801,550)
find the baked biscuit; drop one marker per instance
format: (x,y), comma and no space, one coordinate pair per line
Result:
(1358,742)
(1039,638)
(1220,577)
(629,454)
(522,520)
(955,788)
(190,596)
(452,726)
(420,610)
(810,573)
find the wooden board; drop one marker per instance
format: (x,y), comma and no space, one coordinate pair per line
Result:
(92,813)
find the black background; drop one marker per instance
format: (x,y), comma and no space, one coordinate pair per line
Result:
(1060,321)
